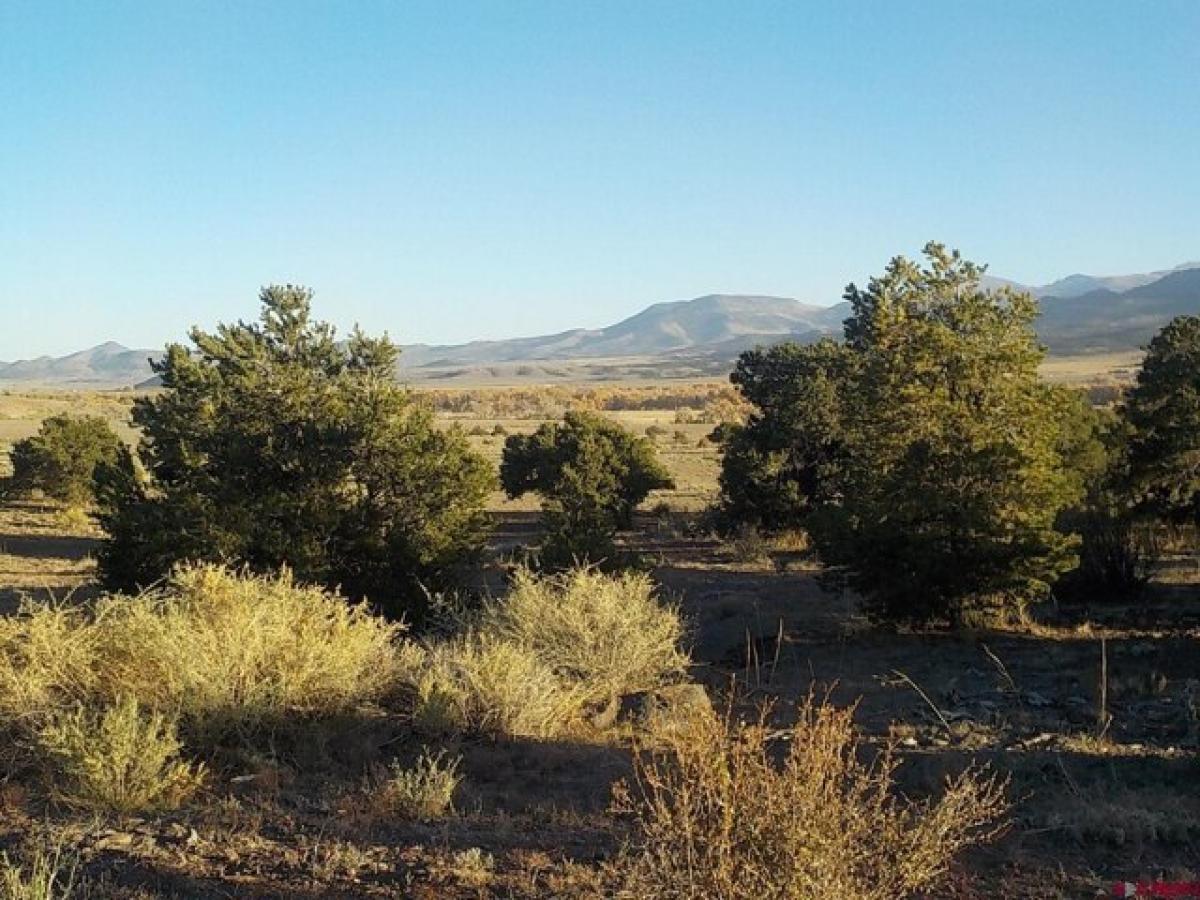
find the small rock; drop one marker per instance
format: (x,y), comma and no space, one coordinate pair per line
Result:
(667,709)
(605,717)
(114,840)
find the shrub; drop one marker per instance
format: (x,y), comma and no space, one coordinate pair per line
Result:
(274,444)
(229,653)
(484,684)
(233,652)
(530,664)
(47,663)
(606,635)
(117,759)
(715,816)
(423,791)
(1117,556)
(591,474)
(62,458)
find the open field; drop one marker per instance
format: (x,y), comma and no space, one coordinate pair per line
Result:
(1104,771)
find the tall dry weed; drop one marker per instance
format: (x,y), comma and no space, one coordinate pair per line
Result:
(719,816)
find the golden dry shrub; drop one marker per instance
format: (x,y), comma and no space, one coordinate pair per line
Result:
(233,652)
(47,662)
(118,759)
(481,683)
(718,816)
(225,652)
(605,635)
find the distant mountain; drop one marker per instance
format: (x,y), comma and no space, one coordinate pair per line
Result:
(107,365)
(1078,285)
(1105,319)
(701,337)
(659,329)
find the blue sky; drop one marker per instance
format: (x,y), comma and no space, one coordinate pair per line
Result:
(447,171)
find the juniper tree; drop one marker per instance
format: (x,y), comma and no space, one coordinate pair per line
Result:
(62,458)
(1163,414)
(923,454)
(272,443)
(591,473)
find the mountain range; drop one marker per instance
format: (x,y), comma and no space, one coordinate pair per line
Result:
(1080,314)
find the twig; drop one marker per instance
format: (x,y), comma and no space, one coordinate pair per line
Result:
(778,647)
(1102,717)
(1067,775)
(924,697)
(1012,685)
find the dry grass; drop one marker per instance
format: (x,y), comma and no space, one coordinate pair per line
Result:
(44,875)
(606,635)
(47,663)
(423,791)
(530,664)
(717,817)
(227,653)
(484,684)
(118,759)
(234,652)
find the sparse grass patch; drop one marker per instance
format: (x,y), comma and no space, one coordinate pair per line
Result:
(43,875)
(424,790)
(716,816)
(117,760)
(473,866)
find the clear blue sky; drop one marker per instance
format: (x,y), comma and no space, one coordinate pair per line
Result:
(448,171)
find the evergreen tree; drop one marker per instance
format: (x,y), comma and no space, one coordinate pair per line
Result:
(273,444)
(591,473)
(924,455)
(1163,414)
(62,458)
(788,457)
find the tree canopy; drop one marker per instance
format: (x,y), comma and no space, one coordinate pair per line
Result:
(62,458)
(1163,414)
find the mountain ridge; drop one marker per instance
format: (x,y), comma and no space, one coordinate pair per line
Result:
(708,331)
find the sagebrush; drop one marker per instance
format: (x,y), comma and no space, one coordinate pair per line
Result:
(117,759)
